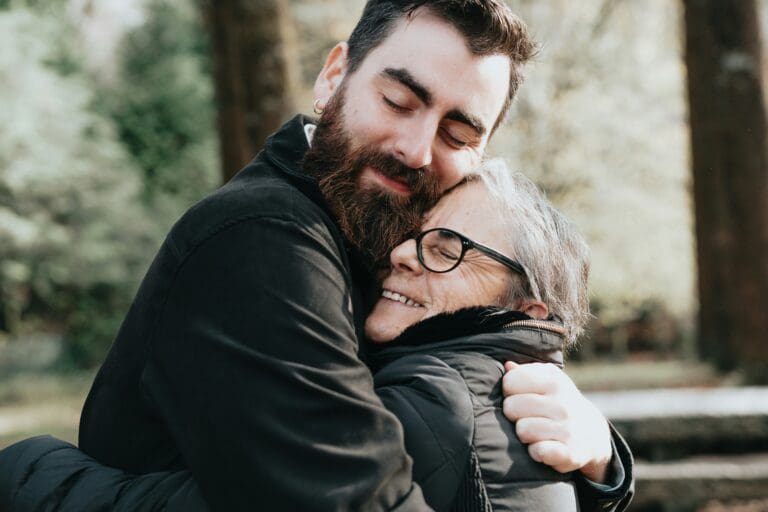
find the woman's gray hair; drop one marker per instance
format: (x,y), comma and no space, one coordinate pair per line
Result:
(545,242)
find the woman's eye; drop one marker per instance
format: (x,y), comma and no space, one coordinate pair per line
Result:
(394,106)
(448,255)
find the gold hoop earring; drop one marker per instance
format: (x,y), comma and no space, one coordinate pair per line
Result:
(316,107)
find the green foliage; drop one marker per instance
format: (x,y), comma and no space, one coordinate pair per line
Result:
(162,105)
(92,176)
(39,6)
(607,139)
(61,193)
(94,317)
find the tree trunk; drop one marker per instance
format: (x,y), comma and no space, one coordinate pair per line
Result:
(253,45)
(730,182)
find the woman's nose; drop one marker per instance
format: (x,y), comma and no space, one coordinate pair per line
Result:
(405,259)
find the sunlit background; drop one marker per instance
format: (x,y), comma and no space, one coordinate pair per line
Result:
(108,133)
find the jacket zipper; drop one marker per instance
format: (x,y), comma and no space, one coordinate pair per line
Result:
(538,324)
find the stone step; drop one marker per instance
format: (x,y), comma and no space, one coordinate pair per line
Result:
(687,485)
(664,424)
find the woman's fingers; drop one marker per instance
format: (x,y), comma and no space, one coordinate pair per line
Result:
(561,427)
(553,453)
(539,378)
(533,405)
(534,430)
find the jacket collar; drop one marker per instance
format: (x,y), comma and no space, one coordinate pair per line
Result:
(286,148)
(501,334)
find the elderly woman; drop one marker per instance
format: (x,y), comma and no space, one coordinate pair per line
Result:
(495,275)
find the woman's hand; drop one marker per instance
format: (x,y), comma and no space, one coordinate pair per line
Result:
(561,427)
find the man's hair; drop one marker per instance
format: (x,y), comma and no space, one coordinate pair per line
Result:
(488,26)
(545,242)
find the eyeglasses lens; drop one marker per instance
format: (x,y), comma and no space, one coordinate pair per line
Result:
(440,250)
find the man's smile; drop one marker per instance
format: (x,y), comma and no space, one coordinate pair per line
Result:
(396,184)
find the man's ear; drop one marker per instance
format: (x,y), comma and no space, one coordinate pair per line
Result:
(534,309)
(332,74)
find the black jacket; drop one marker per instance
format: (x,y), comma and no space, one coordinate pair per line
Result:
(238,362)
(445,392)
(238,359)
(442,378)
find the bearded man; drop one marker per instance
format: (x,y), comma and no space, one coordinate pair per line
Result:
(239,358)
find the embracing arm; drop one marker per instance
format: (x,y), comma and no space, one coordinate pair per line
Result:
(615,493)
(44,473)
(427,396)
(566,431)
(254,371)
(465,454)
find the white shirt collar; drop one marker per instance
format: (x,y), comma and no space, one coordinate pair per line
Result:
(309,131)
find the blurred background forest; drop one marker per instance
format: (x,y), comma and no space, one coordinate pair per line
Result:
(110,127)
(109,134)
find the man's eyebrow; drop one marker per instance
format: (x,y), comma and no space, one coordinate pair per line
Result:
(407,79)
(404,77)
(468,119)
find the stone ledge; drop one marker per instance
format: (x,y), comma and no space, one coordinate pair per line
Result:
(685,485)
(661,403)
(675,423)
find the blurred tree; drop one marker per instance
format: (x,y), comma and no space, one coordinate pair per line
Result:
(162,105)
(255,66)
(600,124)
(728,142)
(73,236)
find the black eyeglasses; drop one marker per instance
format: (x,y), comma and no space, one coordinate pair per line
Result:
(441,250)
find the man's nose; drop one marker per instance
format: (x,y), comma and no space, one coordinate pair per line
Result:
(404,258)
(414,145)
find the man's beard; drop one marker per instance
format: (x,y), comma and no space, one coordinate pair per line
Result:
(373,220)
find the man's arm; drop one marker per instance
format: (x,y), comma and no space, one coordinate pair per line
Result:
(566,431)
(254,371)
(615,494)
(44,473)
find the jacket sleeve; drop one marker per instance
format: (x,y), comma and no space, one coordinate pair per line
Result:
(434,406)
(616,494)
(44,473)
(254,370)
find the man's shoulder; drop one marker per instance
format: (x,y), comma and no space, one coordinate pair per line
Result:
(259,190)
(257,193)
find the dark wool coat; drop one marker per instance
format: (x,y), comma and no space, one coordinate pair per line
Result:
(238,359)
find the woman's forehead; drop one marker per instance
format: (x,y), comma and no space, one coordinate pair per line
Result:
(466,207)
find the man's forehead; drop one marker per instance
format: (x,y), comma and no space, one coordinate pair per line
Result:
(435,54)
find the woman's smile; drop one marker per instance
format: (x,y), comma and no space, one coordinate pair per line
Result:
(401,298)
(412,294)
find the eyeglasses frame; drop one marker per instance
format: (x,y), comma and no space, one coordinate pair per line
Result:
(467,244)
